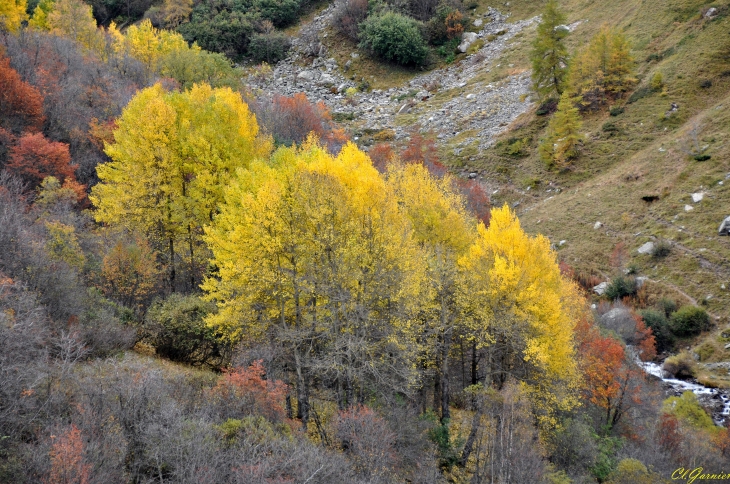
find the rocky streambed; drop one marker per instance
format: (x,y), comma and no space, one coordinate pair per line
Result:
(717,400)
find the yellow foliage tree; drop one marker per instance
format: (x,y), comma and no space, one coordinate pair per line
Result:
(313,250)
(12,14)
(603,68)
(148,44)
(522,310)
(443,230)
(172,156)
(73,19)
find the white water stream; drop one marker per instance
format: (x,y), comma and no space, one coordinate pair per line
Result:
(683,386)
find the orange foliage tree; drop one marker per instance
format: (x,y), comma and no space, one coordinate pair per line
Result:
(21,105)
(34,157)
(67,461)
(247,389)
(477,200)
(611,382)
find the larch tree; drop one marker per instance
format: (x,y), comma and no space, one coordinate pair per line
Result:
(522,311)
(73,19)
(172,155)
(562,139)
(443,230)
(549,54)
(312,252)
(602,69)
(12,14)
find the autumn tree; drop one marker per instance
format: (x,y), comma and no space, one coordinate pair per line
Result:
(67,460)
(73,19)
(34,157)
(562,140)
(601,70)
(311,251)
(519,307)
(12,14)
(129,271)
(610,378)
(291,119)
(549,54)
(172,156)
(443,230)
(21,105)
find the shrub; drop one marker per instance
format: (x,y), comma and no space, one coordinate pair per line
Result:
(681,366)
(621,287)
(348,16)
(661,249)
(280,12)
(667,306)
(395,37)
(657,82)
(659,325)
(269,47)
(616,110)
(689,321)
(687,409)
(176,329)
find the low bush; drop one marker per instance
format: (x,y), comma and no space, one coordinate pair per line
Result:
(269,47)
(394,37)
(176,329)
(661,249)
(348,16)
(621,287)
(681,366)
(659,325)
(689,321)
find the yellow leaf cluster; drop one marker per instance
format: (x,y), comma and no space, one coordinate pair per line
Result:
(12,14)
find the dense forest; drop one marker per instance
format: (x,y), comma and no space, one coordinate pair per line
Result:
(201,284)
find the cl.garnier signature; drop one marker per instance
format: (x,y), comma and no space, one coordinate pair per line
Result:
(698,473)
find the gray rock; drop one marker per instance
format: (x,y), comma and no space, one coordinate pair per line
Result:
(621,321)
(478,22)
(562,28)
(711,12)
(326,80)
(688,208)
(697,197)
(640,281)
(472,175)
(724,227)
(647,248)
(467,39)
(307,76)
(597,225)
(601,288)
(404,109)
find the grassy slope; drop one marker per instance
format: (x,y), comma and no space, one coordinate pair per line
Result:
(646,156)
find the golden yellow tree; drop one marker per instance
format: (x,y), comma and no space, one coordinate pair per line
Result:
(73,19)
(12,14)
(172,156)
(312,250)
(522,311)
(443,231)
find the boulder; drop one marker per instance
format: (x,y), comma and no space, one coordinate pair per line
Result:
(307,76)
(326,80)
(711,12)
(688,208)
(621,322)
(478,22)
(647,248)
(697,197)
(724,227)
(467,39)
(597,225)
(601,288)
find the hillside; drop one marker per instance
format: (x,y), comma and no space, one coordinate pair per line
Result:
(635,178)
